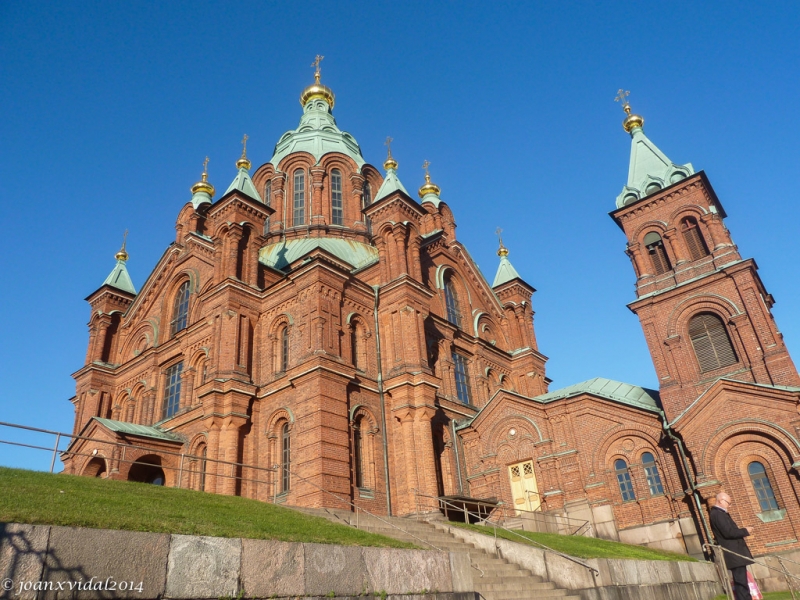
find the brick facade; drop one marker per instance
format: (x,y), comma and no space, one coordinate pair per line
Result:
(331,378)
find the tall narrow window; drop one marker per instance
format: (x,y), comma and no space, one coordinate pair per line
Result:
(172,390)
(693,238)
(268,202)
(462,378)
(286,456)
(657,252)
(299,214)
(651,473)
(762,486)
(451,302)
(284,341)
(624,480)
(203,465)
(354,344)
(180,312)
(711,343)
(358,452)
(366,198)
(336,197)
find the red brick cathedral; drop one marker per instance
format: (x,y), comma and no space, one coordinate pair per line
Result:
(316,336)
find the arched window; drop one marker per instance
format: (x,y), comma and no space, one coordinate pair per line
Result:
(693,238)
(172,390)
(284,349)
(202,465)
(358,452)
(651,473)
(711,343)
(657,252)
(299,213)
(624,480)
(268,202)
(462,378)
(180,311)
(337,217)
(451,302)
(366,198)
(286,456)
(129,411)
(355,345)
(762,486)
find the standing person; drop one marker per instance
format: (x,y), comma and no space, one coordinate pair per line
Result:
(731,537)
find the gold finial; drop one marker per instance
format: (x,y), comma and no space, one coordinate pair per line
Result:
(631,121)
(390,162)
(502,250)
(428,187)
(122,254)
(316,89)
(315,64)
(243,162)
(203,185)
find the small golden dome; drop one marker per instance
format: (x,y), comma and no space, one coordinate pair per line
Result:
(428,187)
(390,163)
(631,121)
(203,185)
(317,90)
(243,162)
(122,254)
(502,250)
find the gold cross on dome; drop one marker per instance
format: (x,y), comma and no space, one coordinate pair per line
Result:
(205,166)
(244,146)
(388,144)
(315,64)
(499,233)
(622,97)
(124,239)
(425,166)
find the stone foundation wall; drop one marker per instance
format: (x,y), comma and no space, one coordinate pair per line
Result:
(53,561)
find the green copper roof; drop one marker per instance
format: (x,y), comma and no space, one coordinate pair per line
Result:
(650,170)
(505,272)
(119,278)
(244,184)
(282,254)
(140,430)
(632,395)
(390,185)
(318,135)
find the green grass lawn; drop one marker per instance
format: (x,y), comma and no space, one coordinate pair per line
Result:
(582,547)
(46,499)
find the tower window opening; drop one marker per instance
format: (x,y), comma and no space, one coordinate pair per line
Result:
(180,319)
(657,253)
(299,213)
(652,475)
(624,480)
(367,196)
(463,391)
(268,202)
(336,198)
(451,303)
(711,343)
(693,238)
(286,455)
(172,390)
(762,486)
(284,347)
(358,452)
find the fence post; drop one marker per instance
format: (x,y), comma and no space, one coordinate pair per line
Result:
(55,452)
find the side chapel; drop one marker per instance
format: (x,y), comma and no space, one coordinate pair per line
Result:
(316,335)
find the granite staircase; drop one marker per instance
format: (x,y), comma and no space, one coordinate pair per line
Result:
(493,578)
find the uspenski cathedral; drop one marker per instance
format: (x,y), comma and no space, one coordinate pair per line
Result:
(316,336)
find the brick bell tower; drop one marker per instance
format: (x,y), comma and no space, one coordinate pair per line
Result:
(704,310)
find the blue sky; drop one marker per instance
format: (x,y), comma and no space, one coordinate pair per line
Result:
(108,110)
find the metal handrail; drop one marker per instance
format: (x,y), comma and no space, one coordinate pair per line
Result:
(511,531)
(722,568)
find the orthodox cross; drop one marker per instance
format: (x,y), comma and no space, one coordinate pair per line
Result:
(124,239)
(388,144)
(205,166)
(425,166)
(315,64)
(622,97)
(499,234)
(244,146)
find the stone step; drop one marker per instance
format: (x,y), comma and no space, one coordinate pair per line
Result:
(521,582)
(533,595)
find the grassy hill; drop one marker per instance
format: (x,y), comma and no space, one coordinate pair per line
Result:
(47,499)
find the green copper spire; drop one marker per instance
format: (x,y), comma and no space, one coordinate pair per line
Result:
(391,183)
(242,181)
(505,271)
(650,170)
(202,191)
(119,278)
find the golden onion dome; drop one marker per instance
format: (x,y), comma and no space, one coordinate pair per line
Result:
(428,187)
(631,121)
(317,90)
(502,250)
(203,185)
(390,163)
(121,255)
(244,162)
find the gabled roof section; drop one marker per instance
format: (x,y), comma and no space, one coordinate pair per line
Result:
(632,395)
(120,279)
(390,185)
(244,184)
(282,254)
(505,272)
(138,430)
